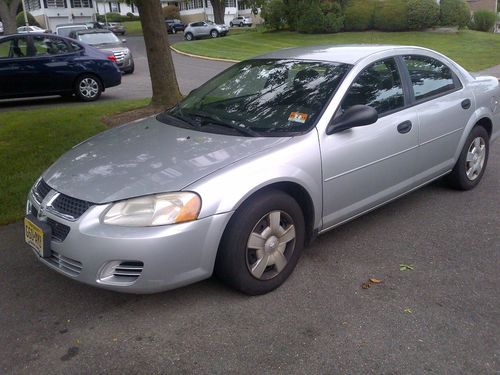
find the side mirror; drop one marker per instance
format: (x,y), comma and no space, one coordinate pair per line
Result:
(357,115)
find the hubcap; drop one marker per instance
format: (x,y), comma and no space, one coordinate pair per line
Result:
(89,87)
(270,245)
(476,155)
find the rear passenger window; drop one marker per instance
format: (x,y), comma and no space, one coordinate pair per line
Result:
(46,46)
(429,77)
(378,86)
(12,48)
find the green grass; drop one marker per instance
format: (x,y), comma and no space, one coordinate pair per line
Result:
(132,28)
(31,140)
(472,49)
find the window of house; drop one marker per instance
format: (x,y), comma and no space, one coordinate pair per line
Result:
(55,3)
(114,7)
(378,86)
(32,4)
(429,77)
(81,3)
(230,3)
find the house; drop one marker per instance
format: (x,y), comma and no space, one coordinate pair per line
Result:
(483,4)
(50,13)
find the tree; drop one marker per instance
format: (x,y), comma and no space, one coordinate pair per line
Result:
(161,67)
(8,11)
(219,7)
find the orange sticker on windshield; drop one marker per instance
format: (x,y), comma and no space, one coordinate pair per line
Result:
(298,117)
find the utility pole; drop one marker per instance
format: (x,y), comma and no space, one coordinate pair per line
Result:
(25,17)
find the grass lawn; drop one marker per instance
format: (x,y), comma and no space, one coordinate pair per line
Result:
(132,28)
(472,49)
(31,140)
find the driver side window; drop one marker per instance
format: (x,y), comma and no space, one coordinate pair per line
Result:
(378,86)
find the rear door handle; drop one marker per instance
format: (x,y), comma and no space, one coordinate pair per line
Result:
(466,103)
(405,127)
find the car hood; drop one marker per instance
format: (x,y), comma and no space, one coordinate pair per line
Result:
(146,157)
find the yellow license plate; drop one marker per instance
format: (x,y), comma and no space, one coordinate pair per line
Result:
(33,236)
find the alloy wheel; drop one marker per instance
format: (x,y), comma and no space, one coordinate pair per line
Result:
(88,87)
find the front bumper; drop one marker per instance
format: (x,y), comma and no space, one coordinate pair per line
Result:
(161,258)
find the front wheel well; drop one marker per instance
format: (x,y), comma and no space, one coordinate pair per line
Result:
(301,196)
(486,123)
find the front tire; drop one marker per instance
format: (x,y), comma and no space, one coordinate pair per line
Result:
(214,33)
(261,244)
(88,88)
(472,162)
(189,36)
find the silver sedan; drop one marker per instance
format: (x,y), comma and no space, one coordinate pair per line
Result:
(255,163)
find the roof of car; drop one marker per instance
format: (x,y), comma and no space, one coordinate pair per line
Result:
(92,31)
(348,54)
(70,24)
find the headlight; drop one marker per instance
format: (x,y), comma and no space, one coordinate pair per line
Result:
(153,210)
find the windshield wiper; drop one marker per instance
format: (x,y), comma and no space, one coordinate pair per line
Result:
(180,116)
(217,121)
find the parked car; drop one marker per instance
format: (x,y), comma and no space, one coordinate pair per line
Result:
(1,28)
(173,26)
(43,64)
(241,21)
(66,29)
(32,29)
(115,27)
(108,42)
(94,25)
(204,29)
(255,163)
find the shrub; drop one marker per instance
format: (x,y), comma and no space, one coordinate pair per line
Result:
(274,14)
(321,17)
(454,13)
(483,20)
(294,10)
(391,15)
(31,20)
(422,14)
(358,15)
(171,12)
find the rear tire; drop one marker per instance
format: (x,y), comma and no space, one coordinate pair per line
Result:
(231,24)
(188,36)
(88,88)
(472,162)
(261,244)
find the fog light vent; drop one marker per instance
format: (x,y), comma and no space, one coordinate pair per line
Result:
(121,272)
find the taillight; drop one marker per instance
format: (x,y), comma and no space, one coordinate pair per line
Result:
(112,58)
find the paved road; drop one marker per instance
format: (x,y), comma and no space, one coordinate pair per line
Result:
(190,72)
(443,317)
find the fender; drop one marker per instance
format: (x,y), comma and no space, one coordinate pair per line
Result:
(286,163)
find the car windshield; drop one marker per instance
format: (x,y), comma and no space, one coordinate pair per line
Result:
(65,31)
(98,38)
(262,97)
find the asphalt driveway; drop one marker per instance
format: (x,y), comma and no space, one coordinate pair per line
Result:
(442,317)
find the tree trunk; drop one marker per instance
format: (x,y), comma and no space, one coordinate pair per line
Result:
(161,68)
(219,7)
(8,11)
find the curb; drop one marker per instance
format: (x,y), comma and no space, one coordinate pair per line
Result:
(202,57)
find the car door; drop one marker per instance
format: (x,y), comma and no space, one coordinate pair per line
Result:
(15,70)
(366,166)
(54,61)
(444,106)
(197,28)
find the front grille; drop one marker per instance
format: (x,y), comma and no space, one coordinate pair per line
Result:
(128,271)
(120,56)
(59,231)
(40,190)
(68,265)
(70,206)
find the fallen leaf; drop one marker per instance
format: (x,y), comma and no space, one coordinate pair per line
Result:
(408,310)
(406,267)
(375,281)
(365,285)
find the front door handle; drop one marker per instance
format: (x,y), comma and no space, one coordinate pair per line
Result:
(405,127)
(466,103)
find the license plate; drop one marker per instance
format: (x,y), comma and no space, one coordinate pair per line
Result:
(34,236)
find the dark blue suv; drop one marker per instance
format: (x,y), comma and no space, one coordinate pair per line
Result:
(41,64)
